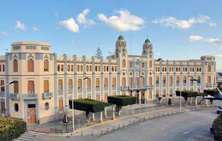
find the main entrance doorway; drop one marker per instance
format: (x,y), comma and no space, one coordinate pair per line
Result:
(31,114)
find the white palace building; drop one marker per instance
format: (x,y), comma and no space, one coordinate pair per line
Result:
(46,81)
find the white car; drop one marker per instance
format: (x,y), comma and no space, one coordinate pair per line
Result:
(219,110)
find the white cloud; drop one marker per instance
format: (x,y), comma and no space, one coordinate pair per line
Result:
(19,25)
(70,24)
(195,38)
(81,18)
(214,41)
(4,33)
(35,28)
(219,55)
(124,22)
(184,24)
(158,54)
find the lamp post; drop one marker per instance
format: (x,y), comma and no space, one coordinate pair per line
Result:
(73,117)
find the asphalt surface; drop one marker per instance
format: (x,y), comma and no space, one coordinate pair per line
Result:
(189,126)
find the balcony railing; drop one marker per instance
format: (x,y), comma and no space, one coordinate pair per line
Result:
(46,95)
(14,96)
(137,87)
(97,88)
(89,90)
(60,92)
(2,94)
(80,90)
(30,96)
(209,85)
(105,88)
(113,87)
(70,91)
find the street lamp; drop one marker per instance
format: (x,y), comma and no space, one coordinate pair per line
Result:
(73,117)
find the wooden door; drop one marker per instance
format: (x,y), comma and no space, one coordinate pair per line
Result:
(105,98)
(98,97)
(60,105)
(2,107)
(32,114)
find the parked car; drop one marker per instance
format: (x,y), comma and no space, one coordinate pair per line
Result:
(219,110)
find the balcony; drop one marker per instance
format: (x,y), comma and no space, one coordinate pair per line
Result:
(89,90)
(60,92)
(113,87)
(30,96)
(2,94)
(80,90)
(14,96)
(97,88)
(46,95)
(105,88)
(141,87)
(124,88)
(209,85)
(69,91)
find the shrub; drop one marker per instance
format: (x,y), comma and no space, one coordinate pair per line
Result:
(212,92)
(169,102)
(217,128)
(122,100)
(11,128)
(88,105)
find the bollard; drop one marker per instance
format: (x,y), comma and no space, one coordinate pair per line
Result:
(144,118)
(92,133)
(101,132)
(119,126)
(113,128)
(107,130)
(81,133)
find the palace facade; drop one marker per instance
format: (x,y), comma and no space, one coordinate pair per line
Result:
(46,81)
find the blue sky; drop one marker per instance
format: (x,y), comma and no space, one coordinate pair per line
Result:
(177,29)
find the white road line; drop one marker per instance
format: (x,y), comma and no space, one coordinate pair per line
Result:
(188,131)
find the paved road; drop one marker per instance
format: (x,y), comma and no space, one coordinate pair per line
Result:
(189,126)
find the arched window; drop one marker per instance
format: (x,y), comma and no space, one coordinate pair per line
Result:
(0,68)
(124,63)
(104,68)
(68,67)
(90,68)
(87,68)
(16,107)
(123,81)
(71,67)
(150,64)
(107,68)
(171,80)
(81,68)
(58,67)
(62,67)
(15,63)
(208,79)
(30,65)
(157,80)
(3,68)
(46,65)
(46,86)
(209,68)
(150,80)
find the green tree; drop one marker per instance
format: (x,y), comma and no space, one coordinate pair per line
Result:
(98,53)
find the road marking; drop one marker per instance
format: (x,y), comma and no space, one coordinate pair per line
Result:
(188,131)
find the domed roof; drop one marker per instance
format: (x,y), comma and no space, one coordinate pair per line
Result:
(147,41)
(120,37)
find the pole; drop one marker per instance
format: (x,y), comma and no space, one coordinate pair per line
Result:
(73,121)
(180,99)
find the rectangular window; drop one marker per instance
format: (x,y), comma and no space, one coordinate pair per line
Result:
(16,88)
(143,65)
(31,47)
(60,85)
(106,82)
(2,86)
(60,105)
(70,84)
(131,65)
(114,82)
(46,86)
(79,83)
(97,82)
(130,81)
(31,87)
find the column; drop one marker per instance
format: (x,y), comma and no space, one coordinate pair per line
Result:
(101,117)
(113,118)
(105,115)
(140,97)
(65,82)
(55,84)
(93,117)
(196,101)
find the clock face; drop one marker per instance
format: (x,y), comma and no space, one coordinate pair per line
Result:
(137,63)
